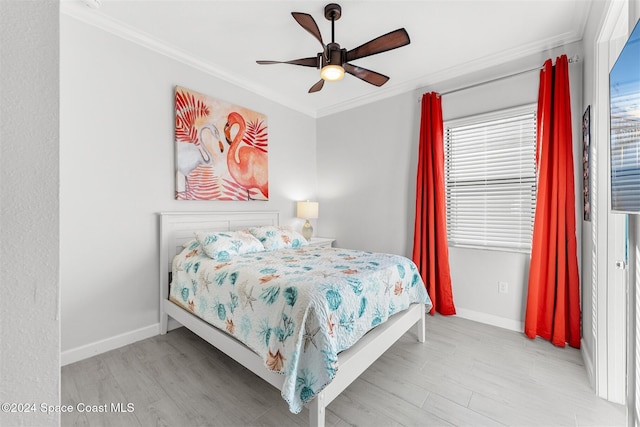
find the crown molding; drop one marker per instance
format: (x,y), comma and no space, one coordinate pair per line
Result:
(96,18)
(99,20)
(468,68)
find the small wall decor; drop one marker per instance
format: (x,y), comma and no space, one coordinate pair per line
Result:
(586,152)
(221,149)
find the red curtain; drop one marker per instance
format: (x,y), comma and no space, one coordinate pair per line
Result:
(430,249)
(553,299)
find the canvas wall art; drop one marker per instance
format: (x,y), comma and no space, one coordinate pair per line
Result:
(221,149)
(586,152)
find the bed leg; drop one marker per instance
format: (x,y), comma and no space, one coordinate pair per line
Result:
(316,411)
(422,325)
(164,321)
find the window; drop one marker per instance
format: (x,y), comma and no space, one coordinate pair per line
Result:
(490,179)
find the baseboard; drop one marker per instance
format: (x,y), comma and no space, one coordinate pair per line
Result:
(588,363)
(84,352)
(98,347)
(490,319)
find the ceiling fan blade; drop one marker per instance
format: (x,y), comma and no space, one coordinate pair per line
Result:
(368,76)
(306,62)
(307,22)
(316,87)
(392,40)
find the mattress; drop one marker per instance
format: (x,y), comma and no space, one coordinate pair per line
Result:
(296,308)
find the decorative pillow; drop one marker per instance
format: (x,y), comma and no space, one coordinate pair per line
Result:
(191,244)
(274,238)
(221,246)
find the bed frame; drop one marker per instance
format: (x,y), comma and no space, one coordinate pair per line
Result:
(176,228)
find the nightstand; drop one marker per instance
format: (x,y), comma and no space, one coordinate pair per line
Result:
(321,241)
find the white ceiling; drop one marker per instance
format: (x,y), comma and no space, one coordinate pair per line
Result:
(449,38)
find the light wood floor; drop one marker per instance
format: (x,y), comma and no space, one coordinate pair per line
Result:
(466,374)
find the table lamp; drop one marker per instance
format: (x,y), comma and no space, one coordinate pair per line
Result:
(307,210)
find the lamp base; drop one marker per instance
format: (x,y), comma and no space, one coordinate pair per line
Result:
(307,230)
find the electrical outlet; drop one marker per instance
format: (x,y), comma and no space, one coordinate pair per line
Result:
(503,287)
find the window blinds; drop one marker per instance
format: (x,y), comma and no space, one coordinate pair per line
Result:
(625,154)
(490,180)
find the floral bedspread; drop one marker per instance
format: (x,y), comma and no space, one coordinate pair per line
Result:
(297,308)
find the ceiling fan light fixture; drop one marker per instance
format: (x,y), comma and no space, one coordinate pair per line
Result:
(335,61)
(332,73)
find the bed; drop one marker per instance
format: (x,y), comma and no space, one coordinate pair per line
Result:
(305,319)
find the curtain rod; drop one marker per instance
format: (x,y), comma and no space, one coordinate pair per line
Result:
(572,60)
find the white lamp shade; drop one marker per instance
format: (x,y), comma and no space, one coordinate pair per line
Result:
(307,210)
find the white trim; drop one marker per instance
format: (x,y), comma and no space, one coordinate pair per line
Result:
(490,319)
(632,396)
(609,306)
(586,353)
(89,350)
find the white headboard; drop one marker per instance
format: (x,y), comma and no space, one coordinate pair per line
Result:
(177,228)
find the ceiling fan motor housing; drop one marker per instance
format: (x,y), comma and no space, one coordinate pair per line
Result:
(334,56)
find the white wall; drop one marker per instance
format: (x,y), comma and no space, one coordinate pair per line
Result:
(367,159)
(117,173)
(366,174)
(29,216)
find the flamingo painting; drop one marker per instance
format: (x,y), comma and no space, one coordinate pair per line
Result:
(193,155)
(247,156)
(208,169)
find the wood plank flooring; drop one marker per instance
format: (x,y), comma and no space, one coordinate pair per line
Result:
(466,374)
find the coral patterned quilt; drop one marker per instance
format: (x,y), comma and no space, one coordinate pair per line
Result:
(297,308)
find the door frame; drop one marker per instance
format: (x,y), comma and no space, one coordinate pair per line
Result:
(609,312)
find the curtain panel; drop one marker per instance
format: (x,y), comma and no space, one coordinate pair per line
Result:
(430,247)
(553,297)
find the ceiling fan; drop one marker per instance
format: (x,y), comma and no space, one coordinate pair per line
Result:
(333,61)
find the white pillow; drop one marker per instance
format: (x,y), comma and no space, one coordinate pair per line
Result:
(223,245)
(273,238)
